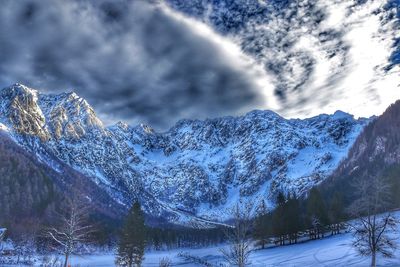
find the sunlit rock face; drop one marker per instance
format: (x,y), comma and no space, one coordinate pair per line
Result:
(19,105)
(69,116)
(196,169)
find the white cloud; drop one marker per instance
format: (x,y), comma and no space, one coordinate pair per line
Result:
(325,63)
(365,88)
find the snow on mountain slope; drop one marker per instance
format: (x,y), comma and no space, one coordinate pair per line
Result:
(197,168)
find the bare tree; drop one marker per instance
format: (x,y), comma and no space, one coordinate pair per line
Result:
(165,262)
(371,230)
(239,235)
(72,229)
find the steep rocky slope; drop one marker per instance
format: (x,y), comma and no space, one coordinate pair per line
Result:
(197,169)
(376,152)
(379,142)
(32,190)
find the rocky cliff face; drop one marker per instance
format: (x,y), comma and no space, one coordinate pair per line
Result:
(375,153)
(195,171)
(377,148)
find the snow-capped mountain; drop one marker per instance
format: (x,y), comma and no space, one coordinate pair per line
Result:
(197,169)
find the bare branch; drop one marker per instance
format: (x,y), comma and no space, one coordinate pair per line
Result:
(73,227)
(370,230)
(240,248)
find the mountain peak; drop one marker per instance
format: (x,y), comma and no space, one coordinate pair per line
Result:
(70,96)
(146,128)
(341,115)
(19,89)
(19,104)
(64,115)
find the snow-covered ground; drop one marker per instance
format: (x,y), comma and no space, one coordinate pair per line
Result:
(332,251)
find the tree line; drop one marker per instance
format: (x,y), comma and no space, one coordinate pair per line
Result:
(73,227)
(294,217)
(368,216)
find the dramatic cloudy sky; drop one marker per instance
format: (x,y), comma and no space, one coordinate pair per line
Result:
(157,62)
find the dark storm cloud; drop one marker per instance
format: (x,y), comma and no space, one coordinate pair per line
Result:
(130,60)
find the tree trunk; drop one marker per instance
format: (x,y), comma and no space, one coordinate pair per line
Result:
(66,259)
(373,259)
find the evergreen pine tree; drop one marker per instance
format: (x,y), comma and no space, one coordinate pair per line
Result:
(261,225)
(132,239)
(293,218)
(336,212)
(278,218)
(317,213)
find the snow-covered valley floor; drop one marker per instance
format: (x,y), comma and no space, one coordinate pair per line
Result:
(331,251)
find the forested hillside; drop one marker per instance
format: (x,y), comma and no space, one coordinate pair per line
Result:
(26,188)
(31,192)
(375,153)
